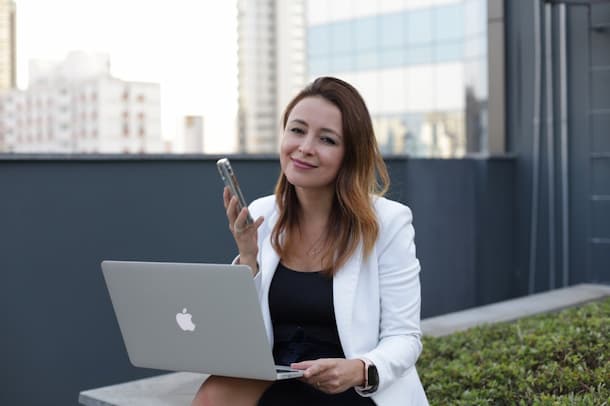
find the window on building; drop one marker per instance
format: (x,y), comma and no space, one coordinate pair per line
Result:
(422,71)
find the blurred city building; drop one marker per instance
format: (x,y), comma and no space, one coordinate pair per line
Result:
(8,57)
(271,60)
(420,65)
(76,106)
(8,69)
(193,134)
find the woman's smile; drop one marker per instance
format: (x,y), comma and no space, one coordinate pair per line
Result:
(302,164)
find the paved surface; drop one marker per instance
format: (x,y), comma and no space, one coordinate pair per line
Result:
(177,389)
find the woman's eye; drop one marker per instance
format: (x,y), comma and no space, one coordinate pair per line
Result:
(328,140)
(297,130)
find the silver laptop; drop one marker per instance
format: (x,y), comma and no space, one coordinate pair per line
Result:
(192,317)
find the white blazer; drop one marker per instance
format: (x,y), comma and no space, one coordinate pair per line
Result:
(376,300)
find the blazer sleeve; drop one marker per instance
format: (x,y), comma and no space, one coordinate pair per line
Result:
(399,292)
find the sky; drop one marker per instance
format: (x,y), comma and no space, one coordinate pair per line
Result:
(189,47)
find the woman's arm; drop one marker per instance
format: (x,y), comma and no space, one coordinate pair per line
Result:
(399,291)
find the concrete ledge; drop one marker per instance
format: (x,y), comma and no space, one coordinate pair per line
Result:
(176,389)
(173,389)
(513,309)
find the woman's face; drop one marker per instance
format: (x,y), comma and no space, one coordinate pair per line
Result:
(312,147)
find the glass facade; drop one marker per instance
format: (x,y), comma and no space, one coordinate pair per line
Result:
(422,70)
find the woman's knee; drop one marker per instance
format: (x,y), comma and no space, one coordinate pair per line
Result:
(219,391)
(211,392)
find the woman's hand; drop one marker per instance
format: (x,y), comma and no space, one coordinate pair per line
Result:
(332,375)
(245,235)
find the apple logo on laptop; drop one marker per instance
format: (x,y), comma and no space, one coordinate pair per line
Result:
(184,321)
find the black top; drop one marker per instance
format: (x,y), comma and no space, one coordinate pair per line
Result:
(304,328)
(303,317)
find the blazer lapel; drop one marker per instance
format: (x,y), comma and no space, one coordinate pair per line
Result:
(269,261)
(345,282)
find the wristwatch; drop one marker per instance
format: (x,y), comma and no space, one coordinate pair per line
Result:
(371,376)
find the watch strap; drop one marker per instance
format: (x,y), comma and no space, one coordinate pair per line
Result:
(368,387)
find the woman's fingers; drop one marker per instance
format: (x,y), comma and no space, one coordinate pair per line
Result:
(232,210)
(311,368)
(231,204)
(239,225)
(258,222)
(226,197)
(330,375)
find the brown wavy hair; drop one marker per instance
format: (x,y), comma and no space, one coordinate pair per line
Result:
(363,173)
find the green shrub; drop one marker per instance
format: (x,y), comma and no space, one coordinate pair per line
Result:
(559,358)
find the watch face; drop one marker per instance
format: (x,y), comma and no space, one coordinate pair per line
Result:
(373,376)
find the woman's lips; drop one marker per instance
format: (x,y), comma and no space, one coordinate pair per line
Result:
(301,164)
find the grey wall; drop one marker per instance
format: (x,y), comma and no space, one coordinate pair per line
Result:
(586,256)
(598,153)
(60,216)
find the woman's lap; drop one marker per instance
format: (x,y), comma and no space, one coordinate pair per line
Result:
(296,393)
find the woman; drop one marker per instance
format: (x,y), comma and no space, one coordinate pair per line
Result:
(334,263)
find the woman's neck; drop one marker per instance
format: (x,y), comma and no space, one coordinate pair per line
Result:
(315,205)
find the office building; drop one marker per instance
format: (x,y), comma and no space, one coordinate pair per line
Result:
(8,53)
(76,106)
(420,65)
(271,59)
(193,134)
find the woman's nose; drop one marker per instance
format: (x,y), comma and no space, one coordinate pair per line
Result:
(306,146)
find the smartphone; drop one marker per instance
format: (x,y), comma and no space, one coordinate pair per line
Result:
(228,177)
